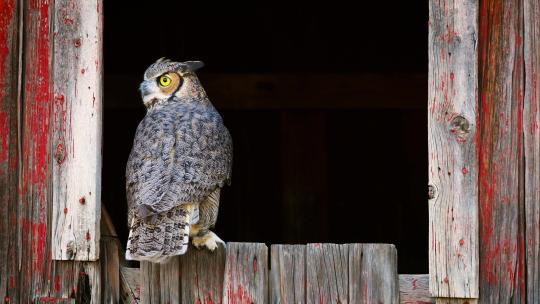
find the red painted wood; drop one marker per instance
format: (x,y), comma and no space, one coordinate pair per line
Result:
(9,61)
(501,153)
(27,273)
(37,87)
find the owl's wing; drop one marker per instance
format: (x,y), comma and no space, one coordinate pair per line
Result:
(177,159)
(150,165)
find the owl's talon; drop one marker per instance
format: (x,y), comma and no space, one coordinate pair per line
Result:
(209,240)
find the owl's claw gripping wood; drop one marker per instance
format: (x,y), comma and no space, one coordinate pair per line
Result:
(209,240)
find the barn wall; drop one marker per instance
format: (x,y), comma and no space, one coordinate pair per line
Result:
(28,114)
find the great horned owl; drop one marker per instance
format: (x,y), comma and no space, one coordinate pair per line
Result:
(180,160)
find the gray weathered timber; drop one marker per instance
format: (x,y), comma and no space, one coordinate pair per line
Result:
(531,123)
(130,285)
(196,277)
(169,281)
(502,162)
(202,275)
(9,155)
(288,274)
(331,273)
(327,273)
(455,301)
(373,274)
(246,273)
(414,289)
(110,260)
(150,285)
(76,122)
(453,153)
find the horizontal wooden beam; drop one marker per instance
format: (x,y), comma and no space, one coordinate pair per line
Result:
(289,91)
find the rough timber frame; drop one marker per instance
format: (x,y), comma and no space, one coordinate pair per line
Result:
(484,149)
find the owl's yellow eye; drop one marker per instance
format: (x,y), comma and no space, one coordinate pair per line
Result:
(165,80)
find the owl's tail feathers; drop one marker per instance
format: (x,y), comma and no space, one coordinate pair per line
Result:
(157,239)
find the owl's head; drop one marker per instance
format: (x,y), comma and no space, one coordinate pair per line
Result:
(165,79)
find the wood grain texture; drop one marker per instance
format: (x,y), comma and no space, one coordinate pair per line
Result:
(501,155)
(531,121)
(169,281)
(130,286)
(327,270)
(9,141)
(414,289)
(196,277)
(202,275)
(373,274)
(288,276)
(150,285)
(453,156)
(111,249)
(246,273)
(76,139)
(456,301)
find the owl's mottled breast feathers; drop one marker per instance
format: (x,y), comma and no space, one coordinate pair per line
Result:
(181,153)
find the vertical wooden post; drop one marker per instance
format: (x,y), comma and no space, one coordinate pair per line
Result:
(26,167)
(34,242)
(77,129)
(502,273)
(9,83)
(453,156)
(531,123)
(246,274)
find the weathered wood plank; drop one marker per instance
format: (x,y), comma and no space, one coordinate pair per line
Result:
(292,91)
(169,281)
(373,274)
(327,270)
(246,273)
(202,275)
(150,285)
(288,275)
(501,154)
(110,260)
(34,227)
(77,129)
(414,289)
(9,175)
(531,122)
(130,286)
(453,157)
(456,301)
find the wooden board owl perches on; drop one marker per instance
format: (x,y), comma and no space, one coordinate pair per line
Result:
(180,160)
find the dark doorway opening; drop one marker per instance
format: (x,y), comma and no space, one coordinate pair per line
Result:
(326,105)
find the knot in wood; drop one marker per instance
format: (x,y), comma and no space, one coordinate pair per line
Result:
(460,127)
(432,192)
(60,154)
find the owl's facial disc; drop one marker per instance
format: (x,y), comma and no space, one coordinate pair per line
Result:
(160,88)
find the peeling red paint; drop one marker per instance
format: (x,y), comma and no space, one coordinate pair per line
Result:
(77,42)
(57,283)
(461,242)
(4,131)
(65,210)
(464,170)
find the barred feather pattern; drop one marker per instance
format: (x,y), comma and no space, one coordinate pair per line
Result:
(155,240)
(182,152)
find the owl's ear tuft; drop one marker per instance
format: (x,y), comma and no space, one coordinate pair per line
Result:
(194,65)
